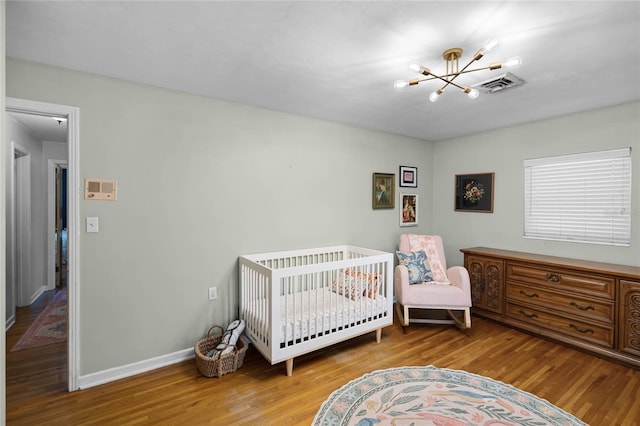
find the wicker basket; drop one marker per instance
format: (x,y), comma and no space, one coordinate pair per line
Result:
(216,367)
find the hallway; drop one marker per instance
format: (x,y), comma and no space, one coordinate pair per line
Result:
(24,367)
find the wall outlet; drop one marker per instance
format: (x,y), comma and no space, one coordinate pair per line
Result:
(213,293)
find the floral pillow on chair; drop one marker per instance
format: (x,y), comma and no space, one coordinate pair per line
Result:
(427,243)
(417,266)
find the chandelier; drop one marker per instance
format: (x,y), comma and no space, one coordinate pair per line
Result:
(451,57)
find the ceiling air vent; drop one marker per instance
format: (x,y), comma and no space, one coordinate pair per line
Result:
(499,83)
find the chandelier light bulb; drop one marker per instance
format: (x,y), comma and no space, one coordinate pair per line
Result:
(490,45)
(399,84)
(473,93)
(514,62)
(415,67)
(433,97)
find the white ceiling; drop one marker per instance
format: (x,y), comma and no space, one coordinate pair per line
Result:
(338,60)
(42,128)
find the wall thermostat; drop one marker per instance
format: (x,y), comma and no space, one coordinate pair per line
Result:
(100,189)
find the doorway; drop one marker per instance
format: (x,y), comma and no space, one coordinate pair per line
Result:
(61,227)
(57,224)
(72,222)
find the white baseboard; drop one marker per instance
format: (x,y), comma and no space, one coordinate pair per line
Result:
(37,294)
(116,373)
(9,323)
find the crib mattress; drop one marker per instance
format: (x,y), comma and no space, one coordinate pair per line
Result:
(310,313)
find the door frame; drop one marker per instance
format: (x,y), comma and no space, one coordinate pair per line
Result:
(73,213)
(51,219)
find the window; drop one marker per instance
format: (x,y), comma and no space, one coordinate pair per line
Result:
(580,198)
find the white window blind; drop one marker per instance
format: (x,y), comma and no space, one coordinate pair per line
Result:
(580,197)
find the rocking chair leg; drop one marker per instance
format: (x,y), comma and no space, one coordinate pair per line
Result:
(467,318)
(464,322)
(403,318)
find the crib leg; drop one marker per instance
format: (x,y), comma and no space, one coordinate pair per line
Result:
(378,335)
(289,363)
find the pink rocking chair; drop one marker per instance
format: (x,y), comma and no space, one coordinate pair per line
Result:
(454,298)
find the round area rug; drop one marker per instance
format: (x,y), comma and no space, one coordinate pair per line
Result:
(436,396)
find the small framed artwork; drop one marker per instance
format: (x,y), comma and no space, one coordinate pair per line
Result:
(474,192)
(409,176)
(383,194)
(409,210)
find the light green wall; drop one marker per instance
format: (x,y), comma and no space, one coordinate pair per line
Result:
(201,182)
(503,151)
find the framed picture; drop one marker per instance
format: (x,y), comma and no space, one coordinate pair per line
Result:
(409,176)
(383,194)
(474,193)
(409,210)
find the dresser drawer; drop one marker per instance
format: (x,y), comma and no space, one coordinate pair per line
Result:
(594,309)
(591,284)
(601,335)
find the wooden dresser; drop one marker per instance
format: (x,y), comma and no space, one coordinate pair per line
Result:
(593,306)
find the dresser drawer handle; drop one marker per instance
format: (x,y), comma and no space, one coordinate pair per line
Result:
(582,308)
(524,293)
(553,277)
(581,330)
(527,315)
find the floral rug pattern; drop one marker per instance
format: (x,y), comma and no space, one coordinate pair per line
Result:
(436,396)
(49,327)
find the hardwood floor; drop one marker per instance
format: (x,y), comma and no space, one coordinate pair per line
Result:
(597,391)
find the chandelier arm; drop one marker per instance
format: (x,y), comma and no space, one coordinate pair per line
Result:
(461,72)
(467,66)
(447,81)
(438,77)
(451,83)
(435,77)
(428,72)
(455,74)
(477,69)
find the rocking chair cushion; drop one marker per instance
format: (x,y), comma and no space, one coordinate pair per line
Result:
(428,244)
(417,266)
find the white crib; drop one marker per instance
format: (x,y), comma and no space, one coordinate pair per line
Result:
(294,302)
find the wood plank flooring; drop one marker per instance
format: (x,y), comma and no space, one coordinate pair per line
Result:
(597,391)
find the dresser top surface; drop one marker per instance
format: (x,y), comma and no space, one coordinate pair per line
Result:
(624,271)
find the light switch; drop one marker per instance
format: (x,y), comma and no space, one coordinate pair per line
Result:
(92,224)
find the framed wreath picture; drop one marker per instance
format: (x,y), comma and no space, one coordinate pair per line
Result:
(408,210)
(409,176)
(474,192)
(383,191)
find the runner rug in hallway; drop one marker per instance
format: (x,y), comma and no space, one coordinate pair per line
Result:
(436,396)
(49,327)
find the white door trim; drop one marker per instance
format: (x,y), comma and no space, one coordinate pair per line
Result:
(73,191)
